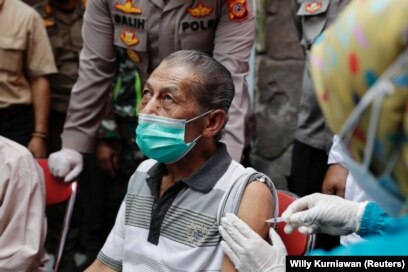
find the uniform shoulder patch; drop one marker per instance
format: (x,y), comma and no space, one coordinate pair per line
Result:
(313,7)
(200,10)
(237,10)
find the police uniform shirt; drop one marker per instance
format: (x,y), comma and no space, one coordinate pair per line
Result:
(315,17)
(24,51)
(64,32)
(149,31)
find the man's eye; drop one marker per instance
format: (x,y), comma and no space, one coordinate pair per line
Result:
(168,98)
(146,92)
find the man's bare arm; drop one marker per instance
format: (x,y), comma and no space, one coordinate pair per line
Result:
(257,205)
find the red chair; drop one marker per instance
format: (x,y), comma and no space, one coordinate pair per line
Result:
(58,191)
(297,244)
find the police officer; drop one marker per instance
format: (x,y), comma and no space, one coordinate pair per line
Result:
(144,32)
(63,21)
(313,137)
(25,61)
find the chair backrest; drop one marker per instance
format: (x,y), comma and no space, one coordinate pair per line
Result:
(56,190)
(297,244)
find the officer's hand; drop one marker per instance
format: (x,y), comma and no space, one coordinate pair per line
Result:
(319,213)
(38,147)
(247,250)
(66,163)
(335,180)
(107,158)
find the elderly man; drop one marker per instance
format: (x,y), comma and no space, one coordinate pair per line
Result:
(167,221)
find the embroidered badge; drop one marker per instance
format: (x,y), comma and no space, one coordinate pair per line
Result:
(237,9)
(128,37)
(133,55)
(196,233)
(200,10)
(313,7)
(128,8)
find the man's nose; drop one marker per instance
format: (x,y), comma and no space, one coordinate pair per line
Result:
(151,107)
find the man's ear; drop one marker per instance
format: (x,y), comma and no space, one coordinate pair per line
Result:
(214,123)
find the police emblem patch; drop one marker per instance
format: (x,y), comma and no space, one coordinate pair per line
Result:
(200,10)
(237,9)
(133,55)
(313,7)
(128,37)
(128,8)
(196,233)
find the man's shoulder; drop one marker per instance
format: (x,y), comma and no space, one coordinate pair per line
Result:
(13,152)
(24,10)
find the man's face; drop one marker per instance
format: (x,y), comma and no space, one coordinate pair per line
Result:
(168,93)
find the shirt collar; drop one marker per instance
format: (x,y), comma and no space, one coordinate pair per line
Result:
(202,180)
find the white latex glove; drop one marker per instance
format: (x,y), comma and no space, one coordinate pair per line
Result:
(247,250)
(66,163)
(320,213)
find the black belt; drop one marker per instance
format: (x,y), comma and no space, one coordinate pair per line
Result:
(13,110)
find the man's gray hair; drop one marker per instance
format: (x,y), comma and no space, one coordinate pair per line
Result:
(214,88)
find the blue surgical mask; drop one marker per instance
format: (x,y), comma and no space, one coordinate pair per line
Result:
(162,138)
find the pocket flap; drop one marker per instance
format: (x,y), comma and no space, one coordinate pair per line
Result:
(12,43)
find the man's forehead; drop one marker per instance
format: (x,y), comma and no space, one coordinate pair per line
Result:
(174,78)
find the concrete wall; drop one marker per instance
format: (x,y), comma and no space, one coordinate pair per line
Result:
(279,69)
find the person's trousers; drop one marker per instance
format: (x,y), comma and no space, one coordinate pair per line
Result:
(309,167)
(17,123)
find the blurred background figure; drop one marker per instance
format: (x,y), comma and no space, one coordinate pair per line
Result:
(63,21)
(313,137)
(26,60)
(22,209)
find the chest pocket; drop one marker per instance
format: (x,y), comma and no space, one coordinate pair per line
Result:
(11,53)
(314,16)
(198,33)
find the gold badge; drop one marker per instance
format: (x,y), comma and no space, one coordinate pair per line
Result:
(313,7)
(128,7)
(133,55)
(49,22)
(200,10)
(128,37)
(237,9)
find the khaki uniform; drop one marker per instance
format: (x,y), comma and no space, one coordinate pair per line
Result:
(24,51)
(148,31)
(64,32)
